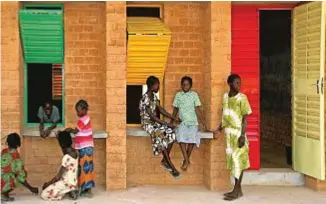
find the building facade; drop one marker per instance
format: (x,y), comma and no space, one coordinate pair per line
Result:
(94,67)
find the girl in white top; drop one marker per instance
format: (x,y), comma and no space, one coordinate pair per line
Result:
(66,179)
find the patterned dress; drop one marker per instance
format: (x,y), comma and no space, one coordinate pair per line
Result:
(84,143)
(12,170)
(234,109)
(187,131)
(161,135)
(67,183)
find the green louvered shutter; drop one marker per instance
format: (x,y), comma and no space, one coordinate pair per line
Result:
(42,35)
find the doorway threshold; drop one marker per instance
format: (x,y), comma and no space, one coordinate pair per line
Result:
(273,177)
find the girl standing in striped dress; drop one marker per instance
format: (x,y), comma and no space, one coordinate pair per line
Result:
(85,145)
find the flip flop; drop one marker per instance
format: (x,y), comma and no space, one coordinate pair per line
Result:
(166,168)
(176,175)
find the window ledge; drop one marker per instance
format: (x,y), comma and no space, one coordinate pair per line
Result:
(34,132)
(139,132)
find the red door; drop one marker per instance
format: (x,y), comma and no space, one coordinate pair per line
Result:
(245,62)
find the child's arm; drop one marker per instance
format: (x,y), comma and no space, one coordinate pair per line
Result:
(242,139)
(166,114)
(156,119)
(218,131)
(55,179)
(174,114)
(41,128)
(21,174)
(201,117)
(30,188)
(71,130)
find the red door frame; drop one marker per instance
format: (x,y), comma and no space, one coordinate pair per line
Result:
(245,61)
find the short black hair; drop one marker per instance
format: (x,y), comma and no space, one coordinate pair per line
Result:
(65,139)
(186,78)
(82,104)
(13,140)
(232,77)
(151,81)
(47,102)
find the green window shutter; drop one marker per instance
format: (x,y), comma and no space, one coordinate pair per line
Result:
(42,35)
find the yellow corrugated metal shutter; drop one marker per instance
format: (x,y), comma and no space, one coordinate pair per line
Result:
(148,46)
(308,64)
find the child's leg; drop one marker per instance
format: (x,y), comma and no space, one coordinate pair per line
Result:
(168,150)
(167,159)
(237,191)
(189,150)
(185,163)
(30,188)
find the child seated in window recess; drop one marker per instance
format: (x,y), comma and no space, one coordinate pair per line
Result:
(12,169)
(48,113)
(66,179)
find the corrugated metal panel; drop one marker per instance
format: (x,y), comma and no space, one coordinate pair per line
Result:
(57,82)
(245,62)
(42,35)
(308,66)
(148,46)
(146,26)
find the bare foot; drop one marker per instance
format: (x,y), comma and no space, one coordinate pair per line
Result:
(229,193)
(6,198)
(184,165)
(232,196)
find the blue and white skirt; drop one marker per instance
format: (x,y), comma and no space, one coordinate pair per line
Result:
(188,134)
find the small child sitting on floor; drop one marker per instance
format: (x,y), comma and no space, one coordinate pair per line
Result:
(66,179)
(12,169)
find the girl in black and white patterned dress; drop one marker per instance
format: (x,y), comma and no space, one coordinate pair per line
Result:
(162,133)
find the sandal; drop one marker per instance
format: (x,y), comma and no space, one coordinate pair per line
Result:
(175,174)
(74,195)
(86,194)
(166,167)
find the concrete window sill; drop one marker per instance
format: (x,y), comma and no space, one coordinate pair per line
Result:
(139,132)
(34,132)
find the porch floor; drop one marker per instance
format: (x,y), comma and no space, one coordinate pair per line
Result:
(190,194)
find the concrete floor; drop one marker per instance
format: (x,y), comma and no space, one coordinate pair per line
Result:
(188,195)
